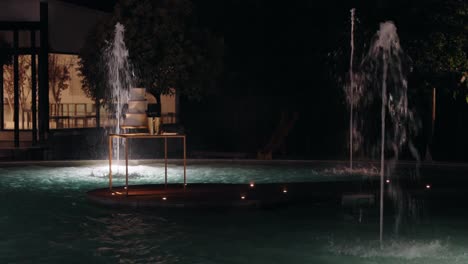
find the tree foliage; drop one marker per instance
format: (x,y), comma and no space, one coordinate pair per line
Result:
(167,49)
(439,49)
(443,48)
(24,82)
(432,32)
(59,76)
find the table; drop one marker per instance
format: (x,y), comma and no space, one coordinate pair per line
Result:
(145,136)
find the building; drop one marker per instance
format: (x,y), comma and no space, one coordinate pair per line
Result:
(40,86)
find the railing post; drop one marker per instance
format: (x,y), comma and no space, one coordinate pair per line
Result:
(165,162)
(126,165)
(110,162)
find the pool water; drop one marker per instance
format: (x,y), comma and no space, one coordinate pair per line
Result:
(45,218)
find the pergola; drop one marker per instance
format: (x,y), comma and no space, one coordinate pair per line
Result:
(35,28)
(39,76)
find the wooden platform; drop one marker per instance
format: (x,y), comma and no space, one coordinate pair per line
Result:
(221,195)
(194,196)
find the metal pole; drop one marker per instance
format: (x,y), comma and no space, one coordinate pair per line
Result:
(126,165)
(43,73)
(34,89)
(382,147)
(110,163)
(165,162)
(185,164)
(16,89)
(351,89)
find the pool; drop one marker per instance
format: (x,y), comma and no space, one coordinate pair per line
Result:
(45,218)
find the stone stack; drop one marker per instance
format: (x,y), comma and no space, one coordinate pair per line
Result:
(137,106)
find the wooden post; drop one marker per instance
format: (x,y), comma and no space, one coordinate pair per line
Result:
(44,73)
(16,88)
(110,163)
(75,122)
(126,165)
(33,89)
(165,162)
(98,113)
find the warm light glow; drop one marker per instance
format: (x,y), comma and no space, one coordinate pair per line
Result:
(125,187)
(387,181)
(164,198)
(242,197)
(428,186)
(252,184)
(113,193)
(285,191)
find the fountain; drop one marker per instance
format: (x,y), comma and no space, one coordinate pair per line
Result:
(382,74)
(386,58)
(351,92)
(120,78)
(354,96)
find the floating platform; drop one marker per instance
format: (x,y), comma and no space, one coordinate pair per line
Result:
(265,195)
(220,195)
(193,196)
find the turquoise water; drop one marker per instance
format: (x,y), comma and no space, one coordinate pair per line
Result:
(45,218)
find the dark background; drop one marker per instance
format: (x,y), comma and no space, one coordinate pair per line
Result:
(278,62)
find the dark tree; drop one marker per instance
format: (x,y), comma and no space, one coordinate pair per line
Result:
(59,78)
(168,51)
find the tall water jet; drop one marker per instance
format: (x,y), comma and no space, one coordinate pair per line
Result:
(119,78)
(351,92)
(384,68)
(354,97)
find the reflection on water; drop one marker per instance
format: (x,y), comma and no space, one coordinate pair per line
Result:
(131,237)
(45,218)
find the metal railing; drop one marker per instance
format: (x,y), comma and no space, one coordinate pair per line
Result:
(72,115)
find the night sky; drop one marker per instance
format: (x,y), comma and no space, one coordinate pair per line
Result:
(277,61)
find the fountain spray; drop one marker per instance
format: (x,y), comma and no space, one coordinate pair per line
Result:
(120,78)
(351,88)
(383,76)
